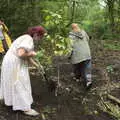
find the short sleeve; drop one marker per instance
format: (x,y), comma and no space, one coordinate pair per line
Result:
(26,42)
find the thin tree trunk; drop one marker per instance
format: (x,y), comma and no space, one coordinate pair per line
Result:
(72,12)
(110,4)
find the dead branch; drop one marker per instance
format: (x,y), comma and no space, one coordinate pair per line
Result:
(116,100)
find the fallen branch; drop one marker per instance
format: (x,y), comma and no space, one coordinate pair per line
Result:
(114,99)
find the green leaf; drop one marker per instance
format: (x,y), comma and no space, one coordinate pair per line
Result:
(47,18)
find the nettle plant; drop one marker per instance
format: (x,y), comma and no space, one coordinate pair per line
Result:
(56,42)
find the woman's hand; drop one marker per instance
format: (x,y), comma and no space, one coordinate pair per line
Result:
(32,53)
(22,53)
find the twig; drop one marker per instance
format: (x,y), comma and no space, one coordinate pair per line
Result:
(58,81)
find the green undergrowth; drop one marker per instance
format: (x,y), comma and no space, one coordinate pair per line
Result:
(112,44)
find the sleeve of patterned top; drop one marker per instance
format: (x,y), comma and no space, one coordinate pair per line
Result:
(85,35)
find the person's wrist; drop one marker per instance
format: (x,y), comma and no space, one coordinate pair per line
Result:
(31,54)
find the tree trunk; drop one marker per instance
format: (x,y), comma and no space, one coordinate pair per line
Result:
(72,13)
(110,4)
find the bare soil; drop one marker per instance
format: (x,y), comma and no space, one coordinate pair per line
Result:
(73,101)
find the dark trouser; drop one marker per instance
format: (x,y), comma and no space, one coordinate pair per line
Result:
(5,45)
(83,70)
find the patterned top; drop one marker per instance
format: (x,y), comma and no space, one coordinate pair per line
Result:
(80,46)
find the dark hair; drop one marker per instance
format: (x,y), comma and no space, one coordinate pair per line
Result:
(37,29)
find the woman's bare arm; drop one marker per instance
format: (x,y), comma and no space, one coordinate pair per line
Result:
(22,53)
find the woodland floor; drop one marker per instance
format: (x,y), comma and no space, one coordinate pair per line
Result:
(74,102)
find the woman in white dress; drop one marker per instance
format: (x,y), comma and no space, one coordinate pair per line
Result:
(15,87)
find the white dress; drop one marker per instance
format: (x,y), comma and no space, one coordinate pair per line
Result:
(15,87)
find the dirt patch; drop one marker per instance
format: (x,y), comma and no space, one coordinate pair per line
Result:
(73,101)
